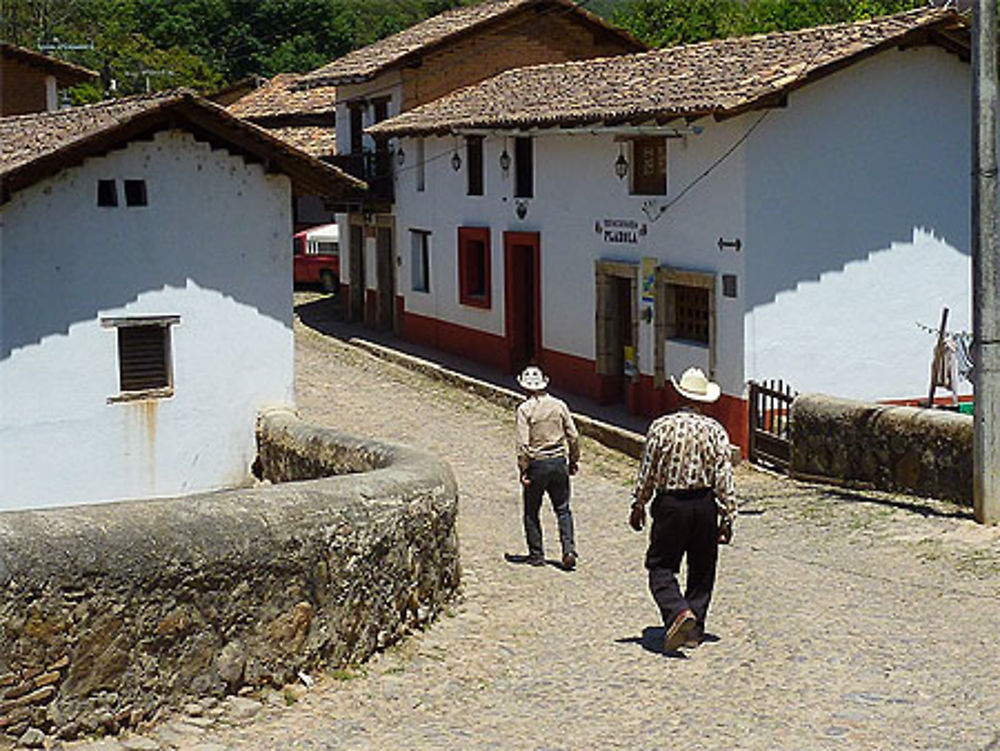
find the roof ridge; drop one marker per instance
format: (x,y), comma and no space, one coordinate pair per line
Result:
(368,61)
(717,76)
(664,51)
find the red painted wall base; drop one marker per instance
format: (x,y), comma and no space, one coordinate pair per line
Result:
(577,375)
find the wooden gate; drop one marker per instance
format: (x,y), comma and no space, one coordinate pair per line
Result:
(769,410)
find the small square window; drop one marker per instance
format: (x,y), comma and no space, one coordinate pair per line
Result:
(691,313)
(729,285)
(144,356)
(474,266)
(135,192)
(107,193)
(420,260)
(649,166)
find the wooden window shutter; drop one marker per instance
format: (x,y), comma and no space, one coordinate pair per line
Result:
(649,172)
(143,357)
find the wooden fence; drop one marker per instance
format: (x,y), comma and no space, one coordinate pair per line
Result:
(769,409)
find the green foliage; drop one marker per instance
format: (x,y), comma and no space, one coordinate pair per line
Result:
(663,23)
(204,44)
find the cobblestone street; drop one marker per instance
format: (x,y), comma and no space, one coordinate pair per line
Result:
(844,620)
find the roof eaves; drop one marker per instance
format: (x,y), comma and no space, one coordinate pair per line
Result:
(70,73)
(406,58)
(304,169)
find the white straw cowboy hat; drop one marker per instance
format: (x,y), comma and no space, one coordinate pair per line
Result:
(533,379)
(694,384)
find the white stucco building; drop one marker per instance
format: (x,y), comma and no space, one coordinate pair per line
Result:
(145,297)
(785,206)
(440,54)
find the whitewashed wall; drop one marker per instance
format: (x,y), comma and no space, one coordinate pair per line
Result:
(851,205)
(858,226)
(389,84)
(575,186)
(211,247)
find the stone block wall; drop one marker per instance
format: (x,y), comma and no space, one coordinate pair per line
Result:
(921,451)
(110,611)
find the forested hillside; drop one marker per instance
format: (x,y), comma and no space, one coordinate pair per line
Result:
(205,44)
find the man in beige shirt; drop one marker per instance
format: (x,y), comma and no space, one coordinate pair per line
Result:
(545,432)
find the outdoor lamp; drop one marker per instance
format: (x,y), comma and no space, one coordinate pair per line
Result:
(621,166)
(456,162)
(504,159)
(400,156)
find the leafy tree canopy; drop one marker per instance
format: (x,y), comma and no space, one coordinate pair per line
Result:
(140,45)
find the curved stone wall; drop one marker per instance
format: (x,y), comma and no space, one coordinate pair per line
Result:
(109,611)
(926,452)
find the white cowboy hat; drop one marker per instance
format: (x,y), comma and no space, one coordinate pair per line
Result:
(533,379)
(694,384)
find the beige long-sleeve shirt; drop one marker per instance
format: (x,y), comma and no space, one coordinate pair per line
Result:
(545,429)
(684,451)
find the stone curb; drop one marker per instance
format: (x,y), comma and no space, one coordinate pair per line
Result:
(619,439)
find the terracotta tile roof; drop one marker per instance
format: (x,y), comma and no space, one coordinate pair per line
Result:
(280,97)
(67,74)
(720,78)
(319,141)
(367,62)
(38,145)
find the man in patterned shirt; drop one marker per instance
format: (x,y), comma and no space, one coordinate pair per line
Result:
(545,430)
(687,471)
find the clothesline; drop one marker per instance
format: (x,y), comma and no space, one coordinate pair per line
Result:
(960,343)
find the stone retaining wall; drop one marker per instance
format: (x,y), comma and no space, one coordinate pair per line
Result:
(108,612)
(921,451)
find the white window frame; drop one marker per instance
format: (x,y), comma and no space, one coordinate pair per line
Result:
(164,322)
(420,260)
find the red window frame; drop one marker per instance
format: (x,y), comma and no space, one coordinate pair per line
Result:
(474,266)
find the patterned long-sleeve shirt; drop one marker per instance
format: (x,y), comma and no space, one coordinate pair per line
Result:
(545,429)
(686,451)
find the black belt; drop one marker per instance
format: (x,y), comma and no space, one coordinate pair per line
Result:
(686,493)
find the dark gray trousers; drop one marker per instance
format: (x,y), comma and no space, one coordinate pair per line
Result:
(548,476)
(685,522)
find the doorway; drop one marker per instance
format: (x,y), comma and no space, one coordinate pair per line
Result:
(617,330)
(385,278)
(356,274)
(522,298)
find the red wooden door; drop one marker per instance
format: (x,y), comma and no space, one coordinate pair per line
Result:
(522,299)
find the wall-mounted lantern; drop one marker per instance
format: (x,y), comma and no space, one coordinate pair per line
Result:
(621,164)
(456,162)
(400,156)
(521,209)
(504,158)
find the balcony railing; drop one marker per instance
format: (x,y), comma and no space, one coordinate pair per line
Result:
(374,167)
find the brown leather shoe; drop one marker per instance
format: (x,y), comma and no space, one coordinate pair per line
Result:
(679,631)
(569,561)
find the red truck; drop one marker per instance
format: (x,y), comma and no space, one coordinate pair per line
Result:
(316,257)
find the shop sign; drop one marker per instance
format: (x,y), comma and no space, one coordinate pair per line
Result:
(620,231)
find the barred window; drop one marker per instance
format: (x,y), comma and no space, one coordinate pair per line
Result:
(691,313)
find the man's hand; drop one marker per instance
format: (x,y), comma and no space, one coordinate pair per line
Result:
(574,468)
(725,530)
(637,517)
(525,480)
